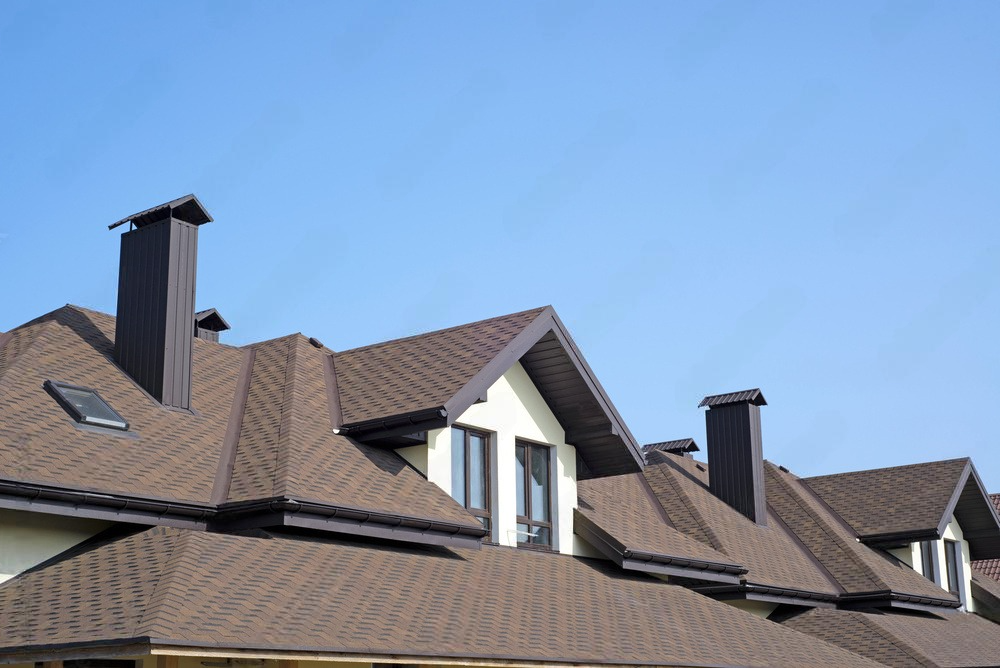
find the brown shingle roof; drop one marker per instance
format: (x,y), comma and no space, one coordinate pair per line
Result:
(168,454)
(286,446)
(857,567)
(771,553)
(423,371)
(195,588)
(903,641)
(898,499)
(623,508)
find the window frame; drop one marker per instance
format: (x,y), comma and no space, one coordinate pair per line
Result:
(55,388)
(549,524)
(929,560)
(479,513)
(953,565)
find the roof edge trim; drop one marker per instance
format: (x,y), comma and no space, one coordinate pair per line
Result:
(652,562)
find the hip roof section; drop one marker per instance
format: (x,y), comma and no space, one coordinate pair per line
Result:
(184,588)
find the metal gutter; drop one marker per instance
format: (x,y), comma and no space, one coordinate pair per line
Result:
(896,599)
(396,425)
(651,562)
(287,512)
(113,507)
(771,594)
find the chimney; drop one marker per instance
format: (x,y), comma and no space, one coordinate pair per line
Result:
(735,452)
(208,324)
(154,333)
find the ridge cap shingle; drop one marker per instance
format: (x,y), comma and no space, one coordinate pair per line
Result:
(442,330)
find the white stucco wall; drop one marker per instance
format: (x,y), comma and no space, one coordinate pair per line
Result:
(757,608)
(952,532)
(513,410)
(28,539)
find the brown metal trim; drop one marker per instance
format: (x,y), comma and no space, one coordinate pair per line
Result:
(646,562)
(332,391)
(651,495)
(227,458)
(953,501)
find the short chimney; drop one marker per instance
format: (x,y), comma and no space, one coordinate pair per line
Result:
(735,452)
(154,332)
(208,324)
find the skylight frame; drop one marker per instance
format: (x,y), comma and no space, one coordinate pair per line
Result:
(56,389)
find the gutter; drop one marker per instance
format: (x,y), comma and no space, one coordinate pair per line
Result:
(750,591)
(396,425)
(114,507)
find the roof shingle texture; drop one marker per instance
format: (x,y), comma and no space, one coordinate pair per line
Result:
(621,507)
(423,371)
(890,500)
(771,553)
(167,454)
(286,446)
(228,591)
(857,567)
(905,641)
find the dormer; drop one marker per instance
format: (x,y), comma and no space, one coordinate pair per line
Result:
(503,414)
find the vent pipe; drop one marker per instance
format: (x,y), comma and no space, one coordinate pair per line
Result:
(735,451)
(154,331)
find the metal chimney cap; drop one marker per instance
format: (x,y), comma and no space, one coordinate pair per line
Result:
(753,396)
(211,320)
(187,209)
(680,445)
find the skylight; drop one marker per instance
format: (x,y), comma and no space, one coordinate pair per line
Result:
(86,406)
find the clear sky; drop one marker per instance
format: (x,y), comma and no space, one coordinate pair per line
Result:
(801,197)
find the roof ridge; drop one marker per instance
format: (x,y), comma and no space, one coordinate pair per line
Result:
(164,583)
(713,538)
(834,539)
(888,468)
(379,344)
(895,640)
(19,358)
(280,475)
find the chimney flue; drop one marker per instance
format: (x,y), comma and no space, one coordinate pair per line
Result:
(735,451)
(154,331)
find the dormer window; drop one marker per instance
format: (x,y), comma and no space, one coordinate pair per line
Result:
(534,499)
(470,472)
(86,406)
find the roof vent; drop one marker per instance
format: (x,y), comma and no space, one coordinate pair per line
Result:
(735,451)
(156,285)
(208,324)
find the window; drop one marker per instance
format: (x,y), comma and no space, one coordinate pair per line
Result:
(470,472)
(928,560)
(85,405)
(953,564)
(534,503)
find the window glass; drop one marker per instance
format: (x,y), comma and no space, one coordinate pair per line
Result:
(470,472)
(85,405)
(477,471)
(539,483)
(927,554)
(534,494)
(951,559)
(520,480)
(458,465)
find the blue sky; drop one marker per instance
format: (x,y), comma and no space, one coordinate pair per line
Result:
(800,197)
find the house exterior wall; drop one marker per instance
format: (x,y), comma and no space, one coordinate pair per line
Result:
(757,608)
(514,410)
(27,539)
(952,532)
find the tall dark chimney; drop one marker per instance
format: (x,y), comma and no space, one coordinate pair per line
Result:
(735,452)
(154,333)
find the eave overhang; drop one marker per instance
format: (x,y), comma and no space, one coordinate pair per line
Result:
(304,514)
(749,591)
(263,513)
(893,599)
(563,378)
(651,562)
